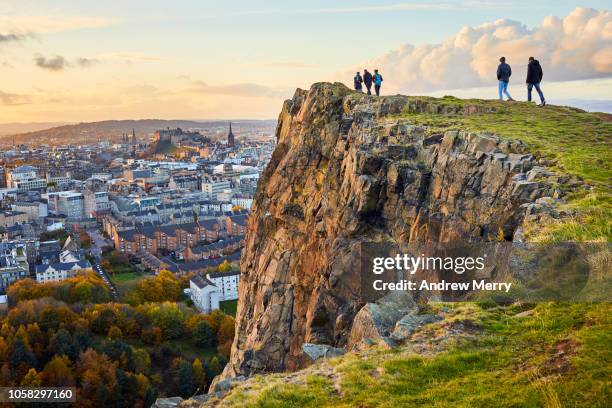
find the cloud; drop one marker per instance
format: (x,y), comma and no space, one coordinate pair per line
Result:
(243,89)
(24,25)
(12,99)
(86,62)
(578,46)
(12,37)
(57,63)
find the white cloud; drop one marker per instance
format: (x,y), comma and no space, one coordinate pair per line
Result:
(16,24)
(576,47)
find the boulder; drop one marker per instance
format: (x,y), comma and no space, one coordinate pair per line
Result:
(167,402)
(375,321)
(410,323)
(317,351)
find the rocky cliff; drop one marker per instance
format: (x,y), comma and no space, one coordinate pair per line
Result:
(350,168)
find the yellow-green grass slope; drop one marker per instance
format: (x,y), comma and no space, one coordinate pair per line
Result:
(571,141)
(557,355)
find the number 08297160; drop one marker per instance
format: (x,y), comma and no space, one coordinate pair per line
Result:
(37,394)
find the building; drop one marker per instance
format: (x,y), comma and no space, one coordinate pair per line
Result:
(24,178)
(8,218)
(184,182)
(214,186)
(96,203)
(207,291)
(13,262)
(68,203)
(59,271)
(242,201)
(231,140)
(237,224)
(133,174)
(166,237)
(34,209)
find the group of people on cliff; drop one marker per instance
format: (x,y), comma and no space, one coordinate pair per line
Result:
(534,77)
(368,79)
(504,72)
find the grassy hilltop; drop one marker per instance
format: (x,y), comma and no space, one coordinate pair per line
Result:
(568,141)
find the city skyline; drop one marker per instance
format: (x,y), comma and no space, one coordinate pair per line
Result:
(73,61)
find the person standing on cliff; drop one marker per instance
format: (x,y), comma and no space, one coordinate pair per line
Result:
(534,77)
(367,80)
(358,80)
(503,76)
(377,82)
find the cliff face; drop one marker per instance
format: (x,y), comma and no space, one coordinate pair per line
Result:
(348,168)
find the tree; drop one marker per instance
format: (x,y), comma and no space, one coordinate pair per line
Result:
(142,360)
(203,335)
(183,378)
(114,333)
(225,266)
(21,354)
(199,376)
(62,343)
(58,373)
(215,365)
(85,240)
(31,379)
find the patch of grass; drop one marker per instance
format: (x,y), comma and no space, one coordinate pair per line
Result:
(561,355)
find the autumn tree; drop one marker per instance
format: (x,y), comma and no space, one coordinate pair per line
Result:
(58,372)
(199,376)
(31,379)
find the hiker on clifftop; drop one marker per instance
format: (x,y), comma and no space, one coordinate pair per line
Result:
(358,80)
(503,75)
(534,77)
(367,80)
(377,82)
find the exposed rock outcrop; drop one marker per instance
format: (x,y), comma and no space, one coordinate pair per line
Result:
(349,168)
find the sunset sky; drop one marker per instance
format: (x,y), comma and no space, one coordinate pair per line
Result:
(68,60)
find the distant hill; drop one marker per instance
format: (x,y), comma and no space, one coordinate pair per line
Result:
(16,128)
(110,130)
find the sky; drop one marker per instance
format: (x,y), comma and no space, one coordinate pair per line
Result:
(71,61)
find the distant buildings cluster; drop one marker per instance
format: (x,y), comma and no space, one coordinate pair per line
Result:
(184,209)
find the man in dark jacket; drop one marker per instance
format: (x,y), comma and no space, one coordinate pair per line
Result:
(503,76)
(367,80)
(358,81)
(534,77)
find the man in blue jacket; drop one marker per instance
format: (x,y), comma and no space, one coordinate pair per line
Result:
(503,76)
(377,82)
(534,77)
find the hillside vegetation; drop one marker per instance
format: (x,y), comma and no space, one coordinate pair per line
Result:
(550,355)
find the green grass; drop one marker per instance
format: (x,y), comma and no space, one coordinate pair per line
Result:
(121,278)
(572,142)
(229,307)
(125,282)
(511,362)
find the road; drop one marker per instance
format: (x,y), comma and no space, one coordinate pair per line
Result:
(97,243)
(106,279)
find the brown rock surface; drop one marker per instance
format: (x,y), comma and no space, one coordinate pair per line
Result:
(348,168)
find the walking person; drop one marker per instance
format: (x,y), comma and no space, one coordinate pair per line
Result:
(358,80)
(534,77)
(367,80)
(377,82)
(503,76)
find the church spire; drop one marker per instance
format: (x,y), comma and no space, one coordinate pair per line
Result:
(231,142)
